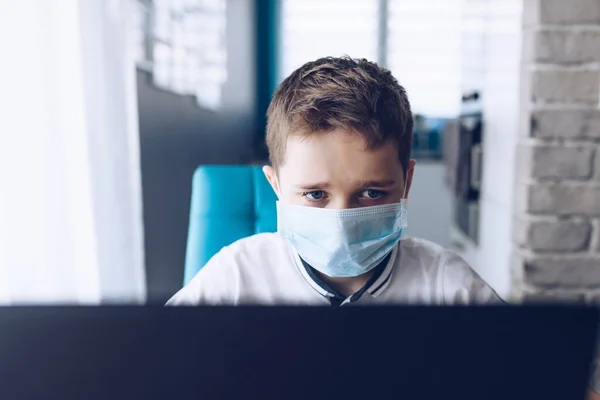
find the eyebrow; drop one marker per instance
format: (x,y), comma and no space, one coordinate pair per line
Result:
(378,184)
(362,184)
(313,186)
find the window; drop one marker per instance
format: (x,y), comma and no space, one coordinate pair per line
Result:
(183,43)
(419,41)
(315,28)
(423,53)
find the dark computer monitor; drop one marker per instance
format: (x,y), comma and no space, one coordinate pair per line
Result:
(296,353)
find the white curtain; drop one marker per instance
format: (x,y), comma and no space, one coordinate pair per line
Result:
(70,188)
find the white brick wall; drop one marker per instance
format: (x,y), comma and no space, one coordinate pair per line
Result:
(553,235)
(565,123)
(576,271)
(597,165)
(557,196)
(564,86)
(565,12)
(564,46)
(561,161)
(596,235)
(563,199)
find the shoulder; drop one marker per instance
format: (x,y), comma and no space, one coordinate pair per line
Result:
(255,243)
(251,254)
(456,281)
(434,257)
(421,246)
(427,255)
(220,280)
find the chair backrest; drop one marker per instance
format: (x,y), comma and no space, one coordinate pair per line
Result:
(229,202)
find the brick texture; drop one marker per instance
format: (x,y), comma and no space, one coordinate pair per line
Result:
(567,124)
(553,297)
(596,236)
(563,199)
(556,161)
(593,297)
(556,207)
(597,165)
(521,197)
(581,271)
(573,12)
(566,46)
(559,86)
(553,236)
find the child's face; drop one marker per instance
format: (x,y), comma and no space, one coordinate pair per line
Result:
(334,170)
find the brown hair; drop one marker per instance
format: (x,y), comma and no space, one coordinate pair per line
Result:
(347,93)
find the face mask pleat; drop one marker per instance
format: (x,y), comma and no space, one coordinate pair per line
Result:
(342,243)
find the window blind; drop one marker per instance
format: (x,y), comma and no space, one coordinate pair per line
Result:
(187,47)
(311,29)
(421,44)
(423,53)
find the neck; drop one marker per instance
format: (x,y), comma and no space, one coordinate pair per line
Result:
(349,285)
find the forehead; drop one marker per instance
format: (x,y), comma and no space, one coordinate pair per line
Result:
(338,155)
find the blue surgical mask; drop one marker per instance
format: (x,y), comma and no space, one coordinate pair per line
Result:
(343,243)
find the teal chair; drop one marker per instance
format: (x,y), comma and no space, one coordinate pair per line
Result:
(228,203)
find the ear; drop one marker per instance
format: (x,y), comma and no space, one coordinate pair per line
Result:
(272,178)
(409,177)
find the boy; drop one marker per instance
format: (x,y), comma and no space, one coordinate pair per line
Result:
(339,135)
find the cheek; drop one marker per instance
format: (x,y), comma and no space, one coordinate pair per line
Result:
(296,200)
(287,194)
(394,196)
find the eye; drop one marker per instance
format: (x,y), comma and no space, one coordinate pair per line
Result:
(315,195)
(373,194)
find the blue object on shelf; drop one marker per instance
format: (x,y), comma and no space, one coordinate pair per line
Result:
(427,138)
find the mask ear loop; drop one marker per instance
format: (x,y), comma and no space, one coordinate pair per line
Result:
(405,186)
